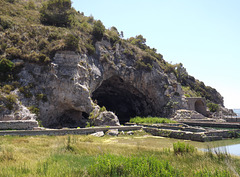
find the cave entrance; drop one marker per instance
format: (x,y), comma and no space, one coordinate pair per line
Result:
(121,98)
(200,107)
(72,119)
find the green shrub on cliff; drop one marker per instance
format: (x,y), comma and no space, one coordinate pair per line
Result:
(56,13)
(71,42)
(98,30)
(213,107)
(6,66)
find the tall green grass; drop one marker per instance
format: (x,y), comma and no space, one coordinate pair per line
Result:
(151,120)
(113,165)
(181,147)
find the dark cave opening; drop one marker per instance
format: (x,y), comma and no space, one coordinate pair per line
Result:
(121,98)
(72,119)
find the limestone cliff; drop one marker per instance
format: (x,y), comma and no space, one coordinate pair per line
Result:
(74,81)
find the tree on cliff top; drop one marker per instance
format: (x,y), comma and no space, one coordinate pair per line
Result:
(98,30)
(57,13)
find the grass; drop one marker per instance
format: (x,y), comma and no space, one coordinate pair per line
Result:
(150,120)
(181,148)
(77,155)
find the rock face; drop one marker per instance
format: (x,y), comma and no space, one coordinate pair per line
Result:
(106,118)
(110,78)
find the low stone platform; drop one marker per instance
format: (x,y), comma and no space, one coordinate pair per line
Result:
(81,131)
(213,124)
(18,125)
(186,132)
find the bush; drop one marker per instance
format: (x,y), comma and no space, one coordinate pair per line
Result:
(13,53)
(43,44)
(98,30)
(56,13)
(6,66)
(25,91)
(139,41)
(181,147)
(5,23)
(213,107)
(102,109)
(143,66)
(41,97)
(7,88)
(31,5)
(38,58)
(34,110)
(11,100)
(90,48)
(71,42)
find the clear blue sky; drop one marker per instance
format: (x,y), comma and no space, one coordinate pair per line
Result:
(204,35)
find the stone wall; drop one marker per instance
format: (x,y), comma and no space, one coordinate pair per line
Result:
(18,125)
(197,104)
(56,132)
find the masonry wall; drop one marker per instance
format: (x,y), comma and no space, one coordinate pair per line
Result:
(18,125)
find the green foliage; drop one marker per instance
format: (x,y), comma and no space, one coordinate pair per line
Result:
(98,30)
(150,120)
(6,66)
(7,88)
(181,148)
(143,66)
(213,107)
(37,58)
(113,165)
(42,97)
(25,90)
(13,53)
(11,1)
(69,146)
(129,53)
(139,41)
(31,5)
(169,68)
(34,110)
(71,42)
(5,23)
(207,173)
(113,35)
(90,48)
(11,100)
(56,13)
(43,43)
(102,109)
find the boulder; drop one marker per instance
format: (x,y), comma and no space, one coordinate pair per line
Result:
(106,118)
(98,134)
(113,132)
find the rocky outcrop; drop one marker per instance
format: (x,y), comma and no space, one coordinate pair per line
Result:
(191,115)
(110,78)
(73,83)
(106,118)
(12,109)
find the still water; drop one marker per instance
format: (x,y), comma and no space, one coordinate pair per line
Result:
(231,146)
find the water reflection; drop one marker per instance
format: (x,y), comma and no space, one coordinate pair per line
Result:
(230,149)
